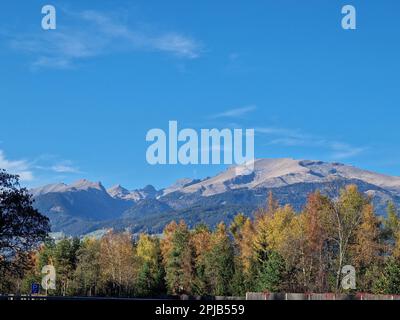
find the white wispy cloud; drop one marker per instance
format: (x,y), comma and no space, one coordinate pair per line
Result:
(344,150)
(90,33)
(30,170)
(235,113)
(19,167)
(295,138)
(65,167)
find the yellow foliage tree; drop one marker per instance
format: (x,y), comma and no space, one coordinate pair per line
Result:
(117,262)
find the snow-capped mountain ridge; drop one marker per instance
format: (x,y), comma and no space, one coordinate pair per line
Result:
(268,173)
(84,206)
(119,192)
(80,185)
(274,173)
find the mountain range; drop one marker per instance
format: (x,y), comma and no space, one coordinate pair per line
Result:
(86,207)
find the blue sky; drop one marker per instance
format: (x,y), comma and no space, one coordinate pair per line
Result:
(77,102)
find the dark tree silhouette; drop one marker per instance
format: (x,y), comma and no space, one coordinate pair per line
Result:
(22,228)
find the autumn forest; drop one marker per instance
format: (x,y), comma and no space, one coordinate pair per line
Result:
(276,250)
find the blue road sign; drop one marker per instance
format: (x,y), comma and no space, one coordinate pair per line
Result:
(35,288)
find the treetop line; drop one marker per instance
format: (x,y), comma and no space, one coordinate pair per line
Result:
(49,20)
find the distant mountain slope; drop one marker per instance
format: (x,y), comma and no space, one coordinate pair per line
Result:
(86,206)
(274,173)
(119,192)
(83,199)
